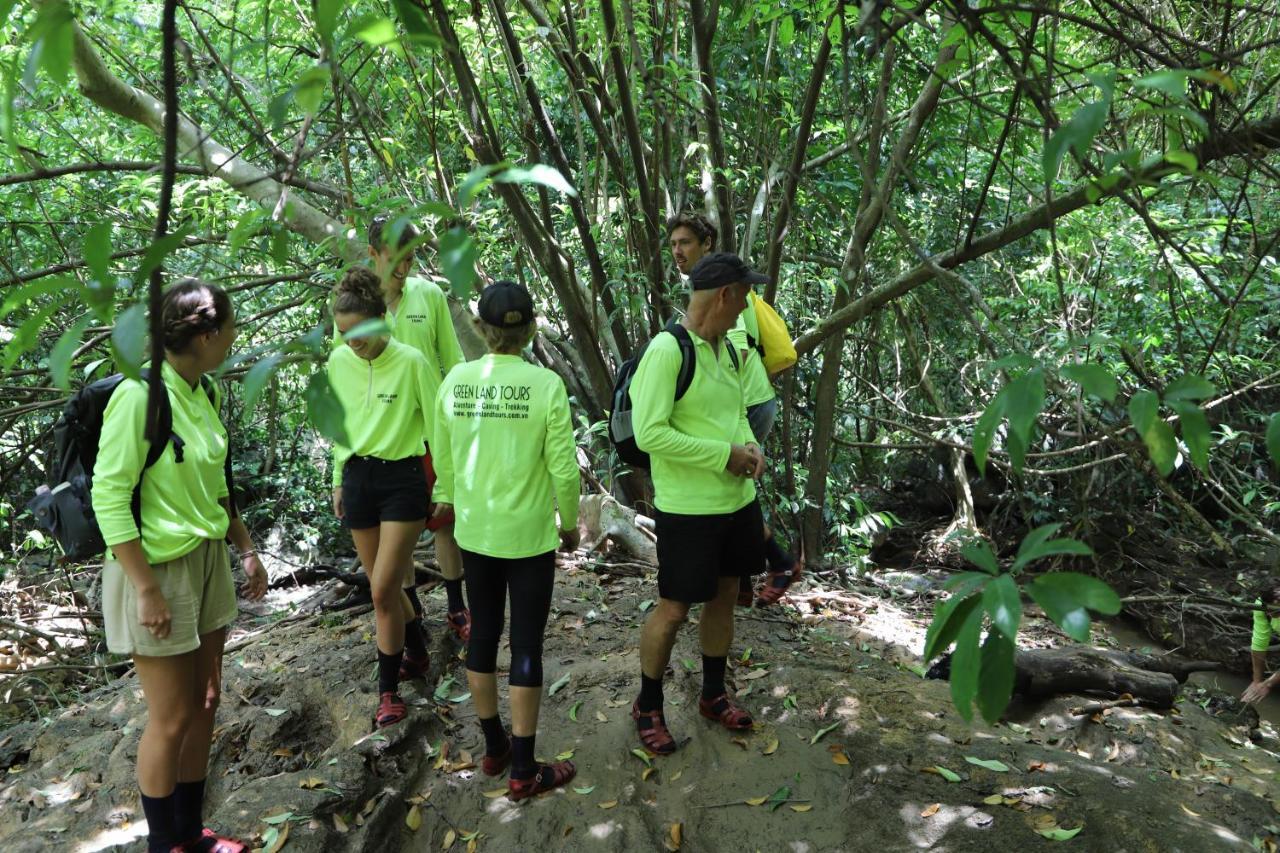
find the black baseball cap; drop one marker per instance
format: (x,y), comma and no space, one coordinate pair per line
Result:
(718,269)
(505,304)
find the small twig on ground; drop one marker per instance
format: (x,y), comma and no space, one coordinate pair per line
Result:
(1099,707)
(745,803)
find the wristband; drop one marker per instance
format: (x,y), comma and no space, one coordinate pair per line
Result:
(252,552)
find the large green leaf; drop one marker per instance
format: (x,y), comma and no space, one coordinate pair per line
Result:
(327,12)
(538,173)
(1003,603)
(96,249)
(158,251)
(476,180)
(129,339)
(978,552)
(458,255)
(64,349)
(53,39)
(1190,387)
(311,86)
(1077,134)
(27,334)
(984,430)
(1273,439)
(1195,432)
(324,410)
(996,674)
(418,27)
(1037,545)
(1024,401)
(1144,413)
(1067,598)
(25,294)
(965,664)
(948,617)
(1171,81)
(256,379)
(1094,379)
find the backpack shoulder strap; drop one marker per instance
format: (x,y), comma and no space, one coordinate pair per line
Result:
(211,390)
(156,450)
(733,353)
(688,358)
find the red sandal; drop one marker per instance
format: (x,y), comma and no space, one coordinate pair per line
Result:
(412,667)
(391,710)
(730,716)
(655,737)
(776,584)
(210,842)
(561,773)
(493,765)
(459,621)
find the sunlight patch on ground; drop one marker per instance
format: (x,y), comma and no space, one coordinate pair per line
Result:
(602,831)
(119,836)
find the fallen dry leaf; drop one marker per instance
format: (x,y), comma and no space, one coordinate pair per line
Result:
(676,777)
(568,828)
(413,819)
(1033,766)
(756,801)
(280,839)
(1189,811)
(648,771)
(739,741)
(801,807)
(311,783)
(676,835)
(930,811)
(771,747)
(472,846)
(608,804)
(994,800)
(495,793)
(449,838)
(369,806)
(1044,821)
(840,758)
(283,752)
(601,717)
(338,823)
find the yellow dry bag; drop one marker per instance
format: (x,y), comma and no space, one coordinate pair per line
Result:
(776,349)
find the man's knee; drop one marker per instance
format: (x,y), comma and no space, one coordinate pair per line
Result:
(386,596)
(671,613)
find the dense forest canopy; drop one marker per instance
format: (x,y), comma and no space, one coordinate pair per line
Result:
(1036,241)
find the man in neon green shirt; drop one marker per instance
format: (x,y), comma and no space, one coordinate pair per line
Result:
(418,314)
(704,460)
(1266,621)
(691,236)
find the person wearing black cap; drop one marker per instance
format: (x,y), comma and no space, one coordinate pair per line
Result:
(506,460)
(704,461)
(691,236)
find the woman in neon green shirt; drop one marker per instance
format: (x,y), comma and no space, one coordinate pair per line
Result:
(506,461)
(167,591)
(1266,622)
(379,488)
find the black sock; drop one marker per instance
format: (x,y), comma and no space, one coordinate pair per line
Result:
(414,601)
(777,555)
(650,693)
(713,676)
(523,765)
(496,742)
(188,810)
(160,823)
(415,644)
(389,671)
(453,591)
(744,584)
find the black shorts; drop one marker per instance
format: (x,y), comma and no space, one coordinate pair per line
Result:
(377,490)
(695,551)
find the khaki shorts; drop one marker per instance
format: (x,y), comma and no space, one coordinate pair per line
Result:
(200,593)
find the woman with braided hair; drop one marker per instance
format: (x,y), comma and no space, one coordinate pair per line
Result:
(379,486)
(167,591)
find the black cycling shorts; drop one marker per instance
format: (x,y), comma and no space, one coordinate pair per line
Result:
(695,551)
(377,490)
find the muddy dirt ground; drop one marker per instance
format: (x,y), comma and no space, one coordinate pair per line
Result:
(853,750)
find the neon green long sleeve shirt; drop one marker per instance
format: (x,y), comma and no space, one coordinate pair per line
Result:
(502,448)
(179,501)
(756,387)
(422,321)
(688,441)
(386,403)
(1263,628)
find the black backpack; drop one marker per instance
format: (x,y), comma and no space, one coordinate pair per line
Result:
(66,509)
(621,431)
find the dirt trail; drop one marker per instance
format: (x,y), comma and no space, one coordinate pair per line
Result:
(861,744)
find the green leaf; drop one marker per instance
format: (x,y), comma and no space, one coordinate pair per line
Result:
(324,411)
(256,379)
(1068,596)
(538,173)
(311,86)
(949,775)
(60,355)
(53,39)
(280,245)
(1273,439)
(573,712)
(1156,434)
(373,29)
(1189,387)
(458,255)
(96,250)
(1077,135)
(1060,834)
(560,683)
(247,226)
(989,763)
(1094,379)
(786,30)
(1195,432)
(1024,402)
(1172,82)
(26,293)
(327,12)
(643,756)
(996,674)
(985,429)
(778,797)
(158,251)
(948,618)
(476,180)
(129,340)
(823,732)
(277,819)
(1183,159)
(370,328)
(1003,603)
(1037,545)
(965,664)
(417,26)
(584,790)
(978,552)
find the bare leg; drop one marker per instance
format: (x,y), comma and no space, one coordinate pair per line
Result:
(715,629)
(658,635)
(168,686)
(193,764)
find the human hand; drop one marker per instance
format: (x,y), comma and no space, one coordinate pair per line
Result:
(760,460)
(338,509)
(569,540)
(255,576)
(153,612)
(1256,692)
(441,510)
(742,461)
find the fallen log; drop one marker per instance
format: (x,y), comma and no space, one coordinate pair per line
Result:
(602,520)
